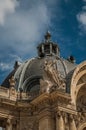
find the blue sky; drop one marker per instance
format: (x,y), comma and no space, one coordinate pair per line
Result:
(23,24)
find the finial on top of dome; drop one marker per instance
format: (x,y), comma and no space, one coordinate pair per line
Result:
(47,35)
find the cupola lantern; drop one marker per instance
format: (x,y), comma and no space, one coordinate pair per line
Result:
(48,48)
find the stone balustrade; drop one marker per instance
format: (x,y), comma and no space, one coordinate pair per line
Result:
(13,95)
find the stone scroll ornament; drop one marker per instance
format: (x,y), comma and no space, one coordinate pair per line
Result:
(51,77)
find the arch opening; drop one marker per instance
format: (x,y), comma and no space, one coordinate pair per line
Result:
(78,80)
(32,86)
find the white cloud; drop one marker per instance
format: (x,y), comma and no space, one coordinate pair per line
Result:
(81,17)
(24,28)
(6,7)
(15,58)
(5,66)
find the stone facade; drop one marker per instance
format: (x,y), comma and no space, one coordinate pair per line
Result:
(60,103)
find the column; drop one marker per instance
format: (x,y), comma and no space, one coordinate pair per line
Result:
(42,48)
(9,124)
(59,121)
(72,125)
(50,48)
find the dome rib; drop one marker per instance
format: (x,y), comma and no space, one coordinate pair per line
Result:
(23,73)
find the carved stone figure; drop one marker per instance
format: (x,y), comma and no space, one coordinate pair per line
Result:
(52,72)
(45,85)
(12,81)
(51,78)
(12,85)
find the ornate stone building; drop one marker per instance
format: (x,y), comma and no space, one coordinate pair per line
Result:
(44,93)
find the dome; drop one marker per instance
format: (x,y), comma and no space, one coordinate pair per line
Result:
(28,74)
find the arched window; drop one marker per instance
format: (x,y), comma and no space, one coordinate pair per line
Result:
(32,86)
